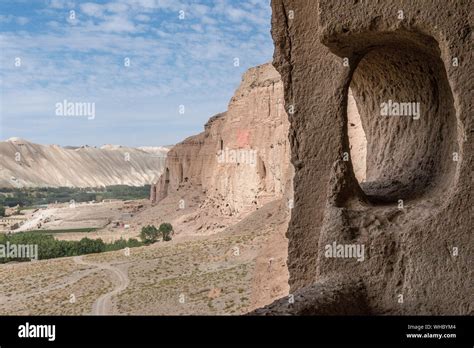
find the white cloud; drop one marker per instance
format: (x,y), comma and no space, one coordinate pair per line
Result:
(92,9)
(116,24)
(61,4)
(117,7)
(197,27)
(14,19)
(22,20)
(200,10)
(172,61)
(142,18)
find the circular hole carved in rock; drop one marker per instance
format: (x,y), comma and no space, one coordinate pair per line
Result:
(401,124)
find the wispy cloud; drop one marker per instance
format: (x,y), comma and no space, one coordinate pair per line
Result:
(146,57)
(13,19)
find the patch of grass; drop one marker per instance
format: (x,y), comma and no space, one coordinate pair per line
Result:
(69,230)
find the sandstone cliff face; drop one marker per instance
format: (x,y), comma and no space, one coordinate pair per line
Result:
(24,164)
(236,177)
(413,213)
(241,160)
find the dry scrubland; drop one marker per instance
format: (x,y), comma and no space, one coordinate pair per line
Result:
(228,253)
(45,288)
(231,272)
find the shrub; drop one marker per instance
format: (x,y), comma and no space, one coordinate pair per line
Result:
(122,244)
(2,211)
(89,246)
(166,229)
(149,234)
(133,243)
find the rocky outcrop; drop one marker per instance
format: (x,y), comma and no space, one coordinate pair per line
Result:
(241,160)
(405,232)
(24,164)
(330,296)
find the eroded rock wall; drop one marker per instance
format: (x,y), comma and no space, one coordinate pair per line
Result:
(413,215)
(241,160)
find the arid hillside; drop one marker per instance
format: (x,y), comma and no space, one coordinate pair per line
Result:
(24,164)
(227,193)
(241,161)
(232,272)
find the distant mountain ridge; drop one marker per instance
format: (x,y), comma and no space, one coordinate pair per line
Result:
(25,164)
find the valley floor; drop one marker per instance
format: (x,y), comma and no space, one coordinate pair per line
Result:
(238,269)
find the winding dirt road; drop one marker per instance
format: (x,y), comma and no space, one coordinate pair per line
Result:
(103,304)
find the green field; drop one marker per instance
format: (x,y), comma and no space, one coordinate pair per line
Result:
(70,230)
(32,197)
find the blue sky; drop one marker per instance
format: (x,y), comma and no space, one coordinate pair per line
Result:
(181,52)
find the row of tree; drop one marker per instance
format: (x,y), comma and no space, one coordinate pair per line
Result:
(33,196)
(150,234)
(50,248)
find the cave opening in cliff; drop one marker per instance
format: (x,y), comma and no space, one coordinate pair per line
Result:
(401,123)
(180,173)
(167,180)
(261,169)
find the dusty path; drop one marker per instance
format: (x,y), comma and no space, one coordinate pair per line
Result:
(39,216)
(103,304)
